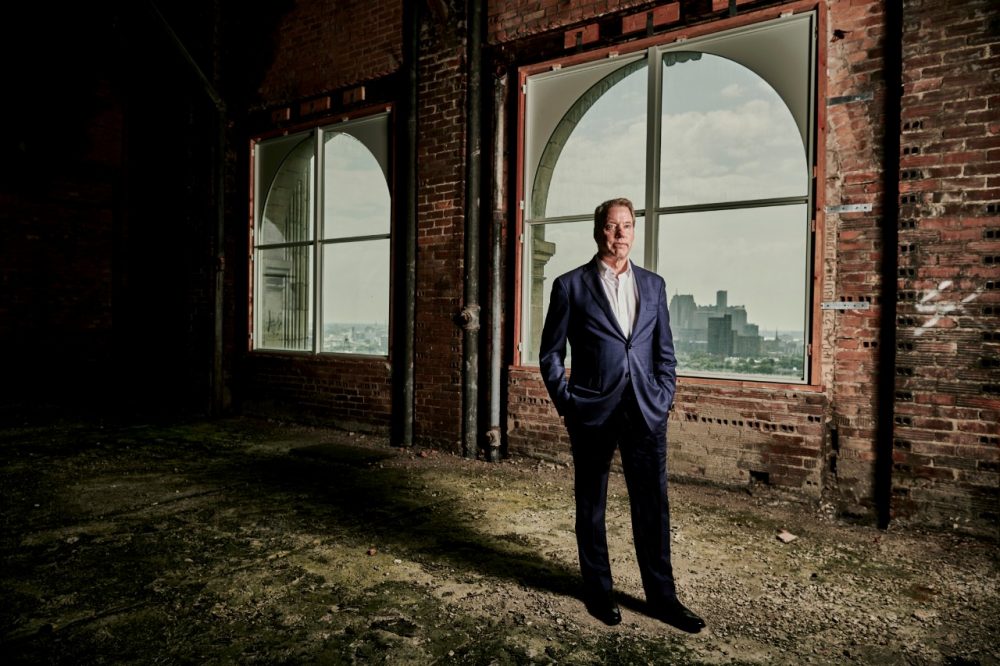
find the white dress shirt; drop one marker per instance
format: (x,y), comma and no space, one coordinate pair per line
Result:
(621,292)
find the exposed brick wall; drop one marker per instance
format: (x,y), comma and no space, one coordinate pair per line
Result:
(735,435)
(513,19)
(947,437)
(852,253)
(84,256)
(533,427)
(440,213)
(353,393)
(316,52)
(56,296)
(323,46)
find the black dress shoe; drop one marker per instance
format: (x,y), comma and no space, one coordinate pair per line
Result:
(676,614)
(604,607)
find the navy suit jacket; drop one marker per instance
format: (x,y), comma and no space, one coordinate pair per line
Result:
(604,360)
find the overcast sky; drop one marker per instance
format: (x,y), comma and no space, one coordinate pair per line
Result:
(726,136)
(356,203)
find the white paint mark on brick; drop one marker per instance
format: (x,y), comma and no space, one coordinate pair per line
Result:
(939,309)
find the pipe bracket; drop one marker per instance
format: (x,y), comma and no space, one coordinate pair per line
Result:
(468,318)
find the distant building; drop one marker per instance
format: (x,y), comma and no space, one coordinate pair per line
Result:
(720,335)
(703,328)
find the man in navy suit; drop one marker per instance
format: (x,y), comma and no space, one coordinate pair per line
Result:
(614,316)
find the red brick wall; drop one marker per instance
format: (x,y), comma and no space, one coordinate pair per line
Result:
(440,239)
(323,46)
(855,127)
(947,437)
(512,19)
(353,393)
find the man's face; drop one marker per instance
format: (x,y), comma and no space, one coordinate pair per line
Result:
(618,234)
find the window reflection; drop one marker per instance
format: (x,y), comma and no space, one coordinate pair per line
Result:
(285,303)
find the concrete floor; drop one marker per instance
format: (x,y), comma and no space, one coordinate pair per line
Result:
(244,541)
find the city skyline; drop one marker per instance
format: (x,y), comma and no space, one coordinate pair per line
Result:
(722,337)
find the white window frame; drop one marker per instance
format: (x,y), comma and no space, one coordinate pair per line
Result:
(317,243)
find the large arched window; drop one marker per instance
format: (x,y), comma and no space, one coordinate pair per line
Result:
(711,138)
(321,251)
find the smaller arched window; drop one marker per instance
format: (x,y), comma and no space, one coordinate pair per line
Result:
(322,239)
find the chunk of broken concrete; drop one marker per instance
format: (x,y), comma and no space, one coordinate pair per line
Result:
(785,536)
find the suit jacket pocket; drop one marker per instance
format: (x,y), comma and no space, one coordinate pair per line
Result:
(583,391)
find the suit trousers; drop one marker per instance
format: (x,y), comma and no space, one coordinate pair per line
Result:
(644,462)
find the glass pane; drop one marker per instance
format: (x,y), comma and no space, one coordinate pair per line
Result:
(284,308)
(355,196)
(356,297)
(726,135)
(555,249)
(288,209)
(597,151)
(737,286)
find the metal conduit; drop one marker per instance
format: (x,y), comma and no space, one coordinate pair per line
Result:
(470,313)
(494,434)
(403,364)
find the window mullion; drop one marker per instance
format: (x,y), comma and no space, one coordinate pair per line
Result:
(653,122)
(317,246)
(256,305)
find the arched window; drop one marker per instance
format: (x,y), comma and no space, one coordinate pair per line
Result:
(712,141)
(322,244)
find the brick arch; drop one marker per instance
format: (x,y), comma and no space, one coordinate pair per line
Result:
(560,135)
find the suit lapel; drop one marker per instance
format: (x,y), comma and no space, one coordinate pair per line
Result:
(592,279)
(645,295)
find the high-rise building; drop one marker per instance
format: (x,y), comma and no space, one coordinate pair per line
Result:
(720,335)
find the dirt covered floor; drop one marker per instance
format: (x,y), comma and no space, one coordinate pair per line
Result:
(252,542)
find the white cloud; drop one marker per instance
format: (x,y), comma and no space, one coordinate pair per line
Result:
(732,90)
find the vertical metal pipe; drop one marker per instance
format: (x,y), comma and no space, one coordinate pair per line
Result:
(494,434)
(893,49)
(218,293)
(473,171)
(403,372)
